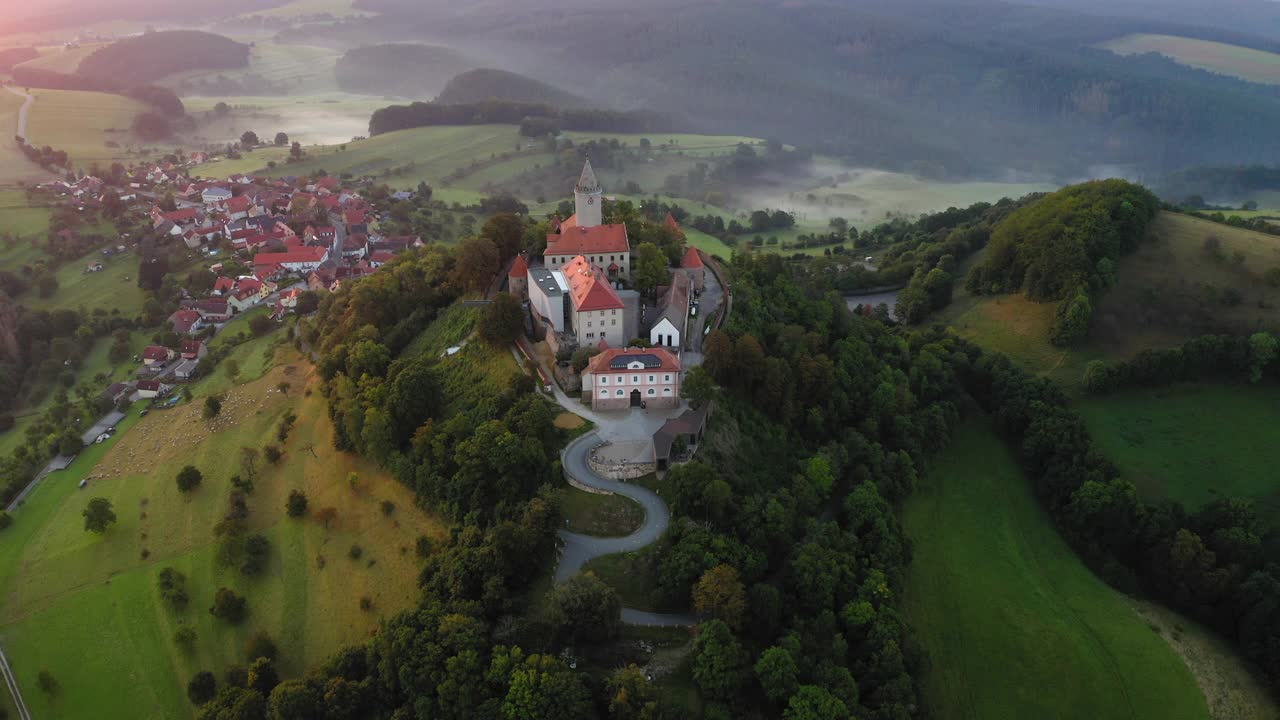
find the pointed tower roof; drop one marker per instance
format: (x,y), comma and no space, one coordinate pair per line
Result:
(588,182)
(519,268)
(691,260)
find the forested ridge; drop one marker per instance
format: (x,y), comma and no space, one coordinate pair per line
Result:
(1013,86)
(483,84)
(408,69)
(151,56)
(421,114)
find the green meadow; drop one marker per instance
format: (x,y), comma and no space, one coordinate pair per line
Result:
(1013,624)
(1193,443)
(69,595)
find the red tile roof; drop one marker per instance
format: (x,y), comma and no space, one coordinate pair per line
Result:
(155,352)
(589,241)
(519,268)
(602,363)
(300,255)
(382,256)
(238,204)
(691,260)
(183,320)
(354,217)
(178,216)
(670,221)
(223,284)
(589,288)
(190,347)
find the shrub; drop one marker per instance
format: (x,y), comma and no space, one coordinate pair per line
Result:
(5,519)
(423,546)
(388,507)
(47,682)
(272,454)
(185,637)
(256,548)
(366,603)
(212,406)
(173,588)
(202,687)
(260,645)
(228,606)
(355,552)
(296,506)
(189,479)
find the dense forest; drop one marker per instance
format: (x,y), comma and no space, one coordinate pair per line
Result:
(483,84)
(419,114)
(161,98)
(1012,86)
(148,57)
(405,69)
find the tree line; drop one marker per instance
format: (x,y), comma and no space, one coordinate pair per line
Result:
(420,114)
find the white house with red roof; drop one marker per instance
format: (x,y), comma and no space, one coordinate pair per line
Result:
(298,260)
(596,313)
(518,278)
(584,233)
(693,267)
(185,321)
(620,378)
(154,354)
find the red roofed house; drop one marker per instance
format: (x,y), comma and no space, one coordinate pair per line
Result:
(223,285)
(192,349)
(355,246)
(692,266)
(185,321)
(672,225)
(584,234)
(157,354)
(378,258)
(621,378)
(300,260)
(595,310)
(518,278)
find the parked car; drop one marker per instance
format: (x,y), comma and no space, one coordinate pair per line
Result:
(83,483)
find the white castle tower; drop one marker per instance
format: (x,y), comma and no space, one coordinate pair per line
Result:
(588,197)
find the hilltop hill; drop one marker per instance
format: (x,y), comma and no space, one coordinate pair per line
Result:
(410,70)
(149,57)
(477,86)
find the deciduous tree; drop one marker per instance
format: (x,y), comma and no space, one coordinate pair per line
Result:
(98,515)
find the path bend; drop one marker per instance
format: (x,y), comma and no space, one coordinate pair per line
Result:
(580,549)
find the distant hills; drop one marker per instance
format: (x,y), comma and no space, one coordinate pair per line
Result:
(152,56)
(476,86)
(937,87)
(405,69)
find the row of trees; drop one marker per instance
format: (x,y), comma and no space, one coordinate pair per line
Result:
(1229,357)
(420,114)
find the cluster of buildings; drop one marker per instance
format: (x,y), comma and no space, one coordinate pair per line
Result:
(577,297)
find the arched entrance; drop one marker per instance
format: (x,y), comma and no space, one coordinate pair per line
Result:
(635,398)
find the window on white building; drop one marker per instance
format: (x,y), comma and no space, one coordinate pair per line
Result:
(666,378)
(666,391)
(650,378)
(619,392)
(619,379)
(604,381)
(635,379)
(615,322)
(591,335)
(588,323)
(604,393)
(651,392)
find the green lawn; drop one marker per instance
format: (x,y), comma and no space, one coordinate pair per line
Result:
(600,515)
(85,607)
(1014,625)
(291,69)
(450,327)
(115,287)
(23,222)
(1193,443)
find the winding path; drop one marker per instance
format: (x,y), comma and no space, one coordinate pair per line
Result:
(579,549)
(22,113)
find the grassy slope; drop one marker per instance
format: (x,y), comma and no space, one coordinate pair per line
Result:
(81,122)
(14,166)
(600,515)
(1242,62)
(296,69)
(58,59)
(305,8)
(23,221)
(1165,444)
(67,585)
(115,286)
(1013,623)
(1158,301)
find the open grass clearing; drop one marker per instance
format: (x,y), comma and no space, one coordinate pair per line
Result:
(114,288)
(453,325)
(1014,625)
(14,166)
(1193,443)
(1234,60)
(61,59)
(600,515)
(330,118)
(82,123)
(24,223)
(274,68)
(64,585)
(298,9)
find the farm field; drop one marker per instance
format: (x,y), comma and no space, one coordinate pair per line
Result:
(274,69)
(1193,443)
(1234,60)
(600,515)
(308,8)
(23,222)
(867,197)
(1015,626)
(318,119)
(14,166)
(82,122)
(56,58)
(64,584)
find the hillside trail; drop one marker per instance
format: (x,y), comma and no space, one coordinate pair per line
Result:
(21,130)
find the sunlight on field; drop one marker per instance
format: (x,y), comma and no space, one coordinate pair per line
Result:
(1235,60)
(82,122)
(274,69)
